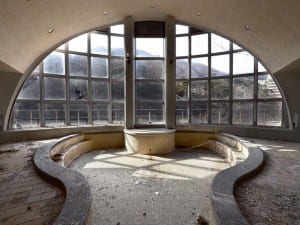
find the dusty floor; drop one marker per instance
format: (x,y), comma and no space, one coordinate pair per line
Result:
(273,196)
(137,189)
(24,197)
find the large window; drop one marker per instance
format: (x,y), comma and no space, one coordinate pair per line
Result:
(217,82)
(80,83)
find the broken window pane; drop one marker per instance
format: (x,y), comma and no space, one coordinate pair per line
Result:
(78,89)
(182,90)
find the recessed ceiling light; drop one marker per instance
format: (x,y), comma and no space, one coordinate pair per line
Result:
(152,6)
(50,30)
(198,14)
(105,13)
(246,27)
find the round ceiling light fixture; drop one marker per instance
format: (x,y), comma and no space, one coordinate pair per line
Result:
(50,30)
(105,13)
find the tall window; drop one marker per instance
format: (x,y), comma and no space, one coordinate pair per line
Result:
(149,80)
(217,82)
(80,83)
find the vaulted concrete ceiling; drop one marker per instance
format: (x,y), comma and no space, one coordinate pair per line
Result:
(274,34)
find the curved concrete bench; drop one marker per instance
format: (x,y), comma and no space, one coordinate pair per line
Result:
(225,210)
(78,197)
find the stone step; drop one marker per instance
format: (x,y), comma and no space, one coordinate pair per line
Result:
(74,151)
(232,155)
(229,140)
(58,150)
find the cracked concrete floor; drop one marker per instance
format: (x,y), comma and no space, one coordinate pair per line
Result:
(131,189)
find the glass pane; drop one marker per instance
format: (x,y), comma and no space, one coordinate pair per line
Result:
(236,47)
(267,88)
(219,44)
(182,90)
(199,89)
(54,63)
(149,47)
(79,114)
(182,112)
(30,88)
(242,113)
(99,44)
(25,115)
(117,29)
(117,46)
(219,113)
(199,67)
(78,44)
(117,90)
(55,115)
(149,113)
(261,68)
(118,113)
(100,113)
(181,29)
(182,46)
(78,65)
(149,90)
(117,68)
(220,89)
(182,69)
(243,88)
(199,44)
(220,65)
(243,62)
(55,88)
(269,113)
(100,90)
(99,67)
(199,112)
(149,69)
(78,89)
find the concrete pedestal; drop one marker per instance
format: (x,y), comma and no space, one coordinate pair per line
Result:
(150,141)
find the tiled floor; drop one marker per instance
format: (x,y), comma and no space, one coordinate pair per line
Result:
(135,189)
(273,196)
(24,197)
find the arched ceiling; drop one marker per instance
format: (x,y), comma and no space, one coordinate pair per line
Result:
(273,34)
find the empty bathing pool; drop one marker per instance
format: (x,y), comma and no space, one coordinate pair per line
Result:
(131,188)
